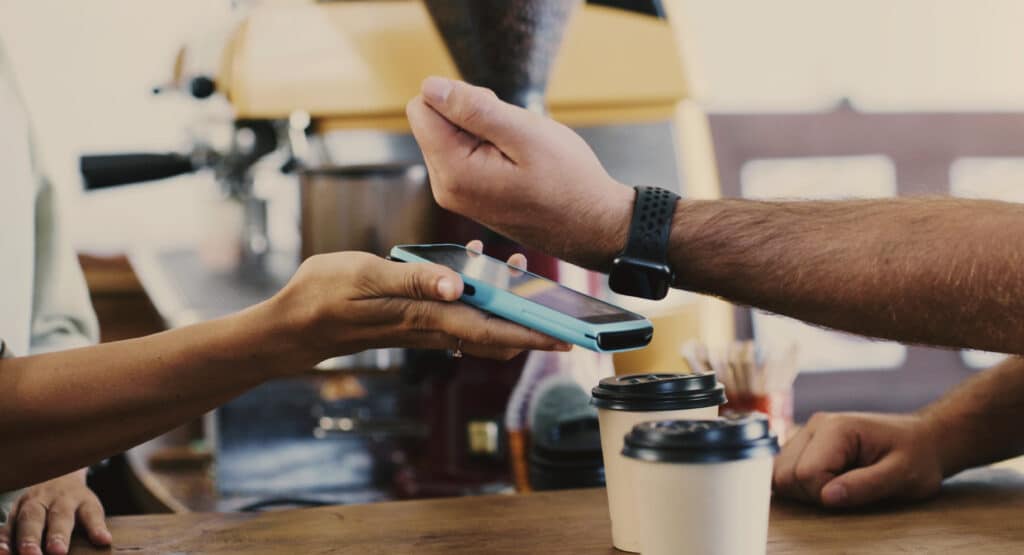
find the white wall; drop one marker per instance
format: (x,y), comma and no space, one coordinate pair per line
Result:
(883,54)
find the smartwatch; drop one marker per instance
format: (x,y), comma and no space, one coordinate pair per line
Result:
(641,269)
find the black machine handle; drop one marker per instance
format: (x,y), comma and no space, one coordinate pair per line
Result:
(110,170)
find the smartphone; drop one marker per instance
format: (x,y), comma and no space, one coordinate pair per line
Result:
(535,301)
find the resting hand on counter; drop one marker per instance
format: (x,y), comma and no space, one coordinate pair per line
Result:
(43,518)
(68,409)
(851,459)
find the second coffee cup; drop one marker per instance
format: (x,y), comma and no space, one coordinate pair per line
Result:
(624,401)
(702,487)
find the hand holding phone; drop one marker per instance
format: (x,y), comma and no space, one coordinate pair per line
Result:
(534,301)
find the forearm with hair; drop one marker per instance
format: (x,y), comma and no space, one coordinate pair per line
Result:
(979,422)
(935,271)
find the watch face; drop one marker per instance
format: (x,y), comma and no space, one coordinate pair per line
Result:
(640,278)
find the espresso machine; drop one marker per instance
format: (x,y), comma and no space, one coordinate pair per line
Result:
(316,91)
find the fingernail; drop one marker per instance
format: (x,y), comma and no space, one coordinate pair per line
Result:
(446,288)
(58,545)
(4,548)
(29,548)
(834,494)
(563,346)
(437,89)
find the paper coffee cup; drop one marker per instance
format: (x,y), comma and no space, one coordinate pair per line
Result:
(702,487)
(623,402)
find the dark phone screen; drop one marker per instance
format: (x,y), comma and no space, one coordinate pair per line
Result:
(530,286)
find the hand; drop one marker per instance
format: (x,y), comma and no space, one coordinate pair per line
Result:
(850,459)
(48,512)
(517,172)
(343,303)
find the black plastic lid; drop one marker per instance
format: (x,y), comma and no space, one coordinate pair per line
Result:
(702,441)
(572,444)
(569,456)
(655,392)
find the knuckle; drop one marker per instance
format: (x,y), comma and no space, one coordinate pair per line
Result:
(781,480)
(803,472)
(58,515)
(476,108)
(418,316)
(29,514)
(905,469)
(451,188)
(819,419)
(359,265)
(413,283)
(361,272)
(484,335)
(312,265)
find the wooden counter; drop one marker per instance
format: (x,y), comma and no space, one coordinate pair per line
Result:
(978,512)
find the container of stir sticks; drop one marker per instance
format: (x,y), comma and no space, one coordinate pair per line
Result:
(753,380)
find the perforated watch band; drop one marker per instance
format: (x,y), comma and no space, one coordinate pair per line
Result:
(652,224)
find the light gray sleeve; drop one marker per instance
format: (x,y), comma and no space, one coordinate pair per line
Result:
(62,313)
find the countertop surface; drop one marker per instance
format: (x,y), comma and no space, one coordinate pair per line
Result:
(978,512)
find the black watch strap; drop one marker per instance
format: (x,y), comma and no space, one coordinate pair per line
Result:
(651,225)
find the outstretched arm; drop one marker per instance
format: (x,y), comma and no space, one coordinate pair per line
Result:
(64,410)
(937,271)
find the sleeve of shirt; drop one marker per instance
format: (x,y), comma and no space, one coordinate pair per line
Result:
(62,313)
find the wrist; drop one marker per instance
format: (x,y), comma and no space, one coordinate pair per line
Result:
(600,246)
(691,250)
(77,477)
(951,438)
(615,217)
(275,338)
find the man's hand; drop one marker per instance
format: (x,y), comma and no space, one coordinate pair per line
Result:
(850,459)
(43,519)
(519,173)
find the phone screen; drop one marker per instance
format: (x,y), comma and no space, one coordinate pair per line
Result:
(525,284)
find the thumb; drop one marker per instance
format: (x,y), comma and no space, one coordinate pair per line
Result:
(414,280)
(479,112)
(865,485)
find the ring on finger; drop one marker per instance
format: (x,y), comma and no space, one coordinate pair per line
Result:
(457,351)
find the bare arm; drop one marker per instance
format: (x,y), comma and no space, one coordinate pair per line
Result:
(937,271)
(979,422)
(849,459)
(68,408)
(65,410)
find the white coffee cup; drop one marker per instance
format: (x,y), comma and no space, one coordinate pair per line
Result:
(623,402)
(702,487)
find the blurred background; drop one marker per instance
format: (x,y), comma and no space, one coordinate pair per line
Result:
(86,71)
(791,99)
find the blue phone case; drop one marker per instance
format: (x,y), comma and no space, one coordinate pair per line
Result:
(604,338)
